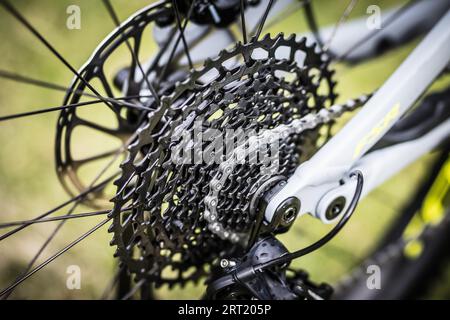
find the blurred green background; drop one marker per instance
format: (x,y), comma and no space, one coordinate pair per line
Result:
(29,185)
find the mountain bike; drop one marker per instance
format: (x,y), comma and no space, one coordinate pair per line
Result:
(225,136)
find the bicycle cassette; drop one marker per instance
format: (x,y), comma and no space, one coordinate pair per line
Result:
(159,224)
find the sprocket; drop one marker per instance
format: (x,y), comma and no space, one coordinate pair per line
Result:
(158,224)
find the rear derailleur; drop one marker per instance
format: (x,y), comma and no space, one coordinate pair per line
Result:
(239,279)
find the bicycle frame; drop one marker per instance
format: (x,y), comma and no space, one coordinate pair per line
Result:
(317,182)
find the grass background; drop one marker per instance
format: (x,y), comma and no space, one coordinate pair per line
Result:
(29,185)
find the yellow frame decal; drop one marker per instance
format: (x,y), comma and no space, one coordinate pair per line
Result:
(377,131)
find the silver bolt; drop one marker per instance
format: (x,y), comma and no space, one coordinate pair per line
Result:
(289,215)
(224,263)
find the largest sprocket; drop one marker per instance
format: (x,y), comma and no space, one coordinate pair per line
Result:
(158,224)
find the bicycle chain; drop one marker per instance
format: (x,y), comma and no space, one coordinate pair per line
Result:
(297,126)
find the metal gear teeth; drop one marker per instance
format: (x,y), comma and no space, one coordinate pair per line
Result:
(144,136)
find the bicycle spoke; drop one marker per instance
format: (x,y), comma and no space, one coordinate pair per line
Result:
(37,82)
(286,13)
(41,250)
(93,158)
(48,85)
(244,29)
(160,53)
(133,290)
(58,218)
(44,41)
(63,107)
(28,274)
(91,188)
(181,30)
(61,224)
(177,41)
(263,21)
(59,207)
(37,255)
(134,56)
(311,20)
(348,10)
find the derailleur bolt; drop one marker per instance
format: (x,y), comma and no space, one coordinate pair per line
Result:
(225,263)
